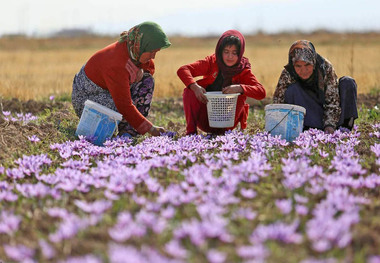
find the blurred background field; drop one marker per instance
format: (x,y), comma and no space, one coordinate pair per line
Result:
(35,68)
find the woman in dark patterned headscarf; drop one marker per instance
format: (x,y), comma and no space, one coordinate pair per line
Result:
(119,77)
(309,80)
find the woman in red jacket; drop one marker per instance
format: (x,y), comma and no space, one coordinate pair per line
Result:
(227,71)
(119,77)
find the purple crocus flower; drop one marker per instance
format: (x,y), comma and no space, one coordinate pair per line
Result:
(15,173)
(6,113)
(33,164)
(34,190)
(81,165)
(277,231)
(376,149)
(215,256)
(58,212)
(285,205)
(248,193)
(168,212)
(313,260)
(374,259)
(33,138)
(124,254)
(9,223)
(175,249)
(257,253)
(47,250)
(19,252)
(323,154)
(246,213)
(129,254)
(301,199)
(68,228)
(8,195)
(126,227)
(333,218)
(82,259)
(301,210)
(110,195)
(299,172)
(97,207)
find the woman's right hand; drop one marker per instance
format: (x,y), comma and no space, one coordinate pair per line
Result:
(199,92)
(156,130)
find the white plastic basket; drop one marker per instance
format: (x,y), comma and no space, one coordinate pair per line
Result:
(221,109)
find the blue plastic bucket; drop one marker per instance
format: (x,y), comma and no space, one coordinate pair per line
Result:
(285,120)
(97,122)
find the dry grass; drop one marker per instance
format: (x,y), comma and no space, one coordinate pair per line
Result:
(37,68)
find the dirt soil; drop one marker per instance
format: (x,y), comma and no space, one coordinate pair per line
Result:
(14,135)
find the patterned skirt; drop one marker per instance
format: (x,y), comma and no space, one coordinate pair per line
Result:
(84,89)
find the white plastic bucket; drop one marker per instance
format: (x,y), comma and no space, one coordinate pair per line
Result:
(97,122)
(221,109)
(285,120)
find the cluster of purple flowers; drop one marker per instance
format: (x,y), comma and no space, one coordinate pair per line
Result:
(24,118)
(216,179)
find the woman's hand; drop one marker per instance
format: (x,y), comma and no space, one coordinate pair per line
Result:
(156,130)
(199,92)
(233,89)
(329,130)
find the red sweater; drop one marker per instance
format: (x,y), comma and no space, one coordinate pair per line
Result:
(106,68)
(209,70)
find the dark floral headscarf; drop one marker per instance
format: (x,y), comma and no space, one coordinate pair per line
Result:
(304,50)
(144,37)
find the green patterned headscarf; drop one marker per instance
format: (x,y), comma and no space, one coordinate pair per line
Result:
(144,37)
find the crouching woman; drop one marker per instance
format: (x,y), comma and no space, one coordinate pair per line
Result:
(309,80)
(228,71)
(120,77)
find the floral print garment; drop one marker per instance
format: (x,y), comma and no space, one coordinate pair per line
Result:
(330,86)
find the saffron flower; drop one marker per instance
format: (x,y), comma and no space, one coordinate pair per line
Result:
(19,253)
(33,138)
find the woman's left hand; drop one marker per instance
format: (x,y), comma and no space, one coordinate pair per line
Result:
(233,89)
(329,130)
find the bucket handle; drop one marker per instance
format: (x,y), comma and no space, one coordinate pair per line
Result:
(281,119)
(116,132)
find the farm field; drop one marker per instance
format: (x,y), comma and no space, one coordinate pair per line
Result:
(37,68)
(240,197)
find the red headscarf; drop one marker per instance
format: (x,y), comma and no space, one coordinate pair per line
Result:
(242,63)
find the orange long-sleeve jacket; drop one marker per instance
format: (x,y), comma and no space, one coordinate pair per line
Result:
(107,69)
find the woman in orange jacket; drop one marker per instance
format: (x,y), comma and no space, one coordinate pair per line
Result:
(227,71)
(119,77)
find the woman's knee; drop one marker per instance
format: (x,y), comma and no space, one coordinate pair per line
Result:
(347,83)
(188,94)
(190,101)
(292,92)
